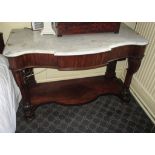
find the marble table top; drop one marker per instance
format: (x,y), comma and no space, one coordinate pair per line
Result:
(25,41)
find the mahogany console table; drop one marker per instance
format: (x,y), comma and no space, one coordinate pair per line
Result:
(26,50)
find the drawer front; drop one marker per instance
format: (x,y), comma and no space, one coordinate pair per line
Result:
(82,61)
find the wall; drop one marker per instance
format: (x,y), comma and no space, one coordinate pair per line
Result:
(131,24)
(6,27)
(143,83)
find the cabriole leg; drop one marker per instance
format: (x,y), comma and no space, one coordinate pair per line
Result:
(21,78)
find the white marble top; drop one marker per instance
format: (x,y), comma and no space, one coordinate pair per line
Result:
(24,41)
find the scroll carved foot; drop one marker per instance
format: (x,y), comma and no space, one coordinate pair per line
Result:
(125,95)
(29,112)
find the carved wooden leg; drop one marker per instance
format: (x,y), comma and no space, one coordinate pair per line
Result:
(133,66)
(28,111)
(29,74)
(110,71)
(21,79)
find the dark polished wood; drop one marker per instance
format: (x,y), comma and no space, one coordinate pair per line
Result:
(65,28)
(68,91)
(87,88)
(110,71)
(1,43)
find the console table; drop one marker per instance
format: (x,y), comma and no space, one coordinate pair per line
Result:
(27,49)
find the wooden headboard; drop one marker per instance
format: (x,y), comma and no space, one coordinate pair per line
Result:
(1,43)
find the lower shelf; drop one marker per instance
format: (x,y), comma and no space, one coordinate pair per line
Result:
(76,91)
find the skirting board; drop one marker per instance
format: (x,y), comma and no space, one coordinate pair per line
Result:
(143,98)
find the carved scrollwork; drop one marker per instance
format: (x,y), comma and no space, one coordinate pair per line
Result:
(28,77)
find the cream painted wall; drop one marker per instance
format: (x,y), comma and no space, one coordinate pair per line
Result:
(143,82)
(43,75)
(6,27)
(131,24)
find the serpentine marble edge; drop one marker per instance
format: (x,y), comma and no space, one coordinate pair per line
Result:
(25,41)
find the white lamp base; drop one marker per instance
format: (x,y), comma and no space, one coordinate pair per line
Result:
(47,29)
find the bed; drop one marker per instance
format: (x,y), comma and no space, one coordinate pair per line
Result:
(10,97)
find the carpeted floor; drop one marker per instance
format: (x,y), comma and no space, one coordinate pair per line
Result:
(105,114)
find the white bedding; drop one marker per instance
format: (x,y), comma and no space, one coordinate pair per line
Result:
(10,97)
